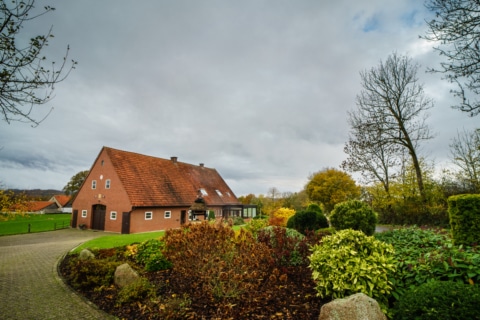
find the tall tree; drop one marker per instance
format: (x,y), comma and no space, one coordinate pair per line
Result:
(465,152)
(25,81)
(75,183)
(456,33)
(331,186)
(391,110)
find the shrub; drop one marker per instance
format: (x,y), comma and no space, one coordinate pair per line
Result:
(210,262)
(254,225)
(136,291)
(464,212)
(425,255)
(304,221)
(211,215)
(354,214)
(350,262)
(280,217)
(439,300)
(90,274)
(286,244)
(149,254)
(238,221)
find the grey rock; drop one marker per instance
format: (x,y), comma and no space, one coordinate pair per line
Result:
(355,307)
(86,254)
(124,275)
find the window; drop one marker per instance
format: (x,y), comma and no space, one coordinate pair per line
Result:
(113,215)
(94,184)
(84,213)
(204,192)
(148,215)
(107,184)
(168,214)
(219,193)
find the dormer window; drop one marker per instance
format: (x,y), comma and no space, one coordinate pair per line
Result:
(94,184)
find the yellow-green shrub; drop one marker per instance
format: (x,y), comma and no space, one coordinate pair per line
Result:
(349,262)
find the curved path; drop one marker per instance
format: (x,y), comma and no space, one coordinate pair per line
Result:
(30,287)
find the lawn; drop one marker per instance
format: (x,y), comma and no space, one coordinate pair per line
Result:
(117,240)
(25,223)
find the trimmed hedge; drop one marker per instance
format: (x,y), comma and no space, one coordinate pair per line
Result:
(464,212)
(354,214)
(446,300)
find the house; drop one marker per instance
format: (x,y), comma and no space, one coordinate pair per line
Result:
(41,207)
(63,203)
(129,192)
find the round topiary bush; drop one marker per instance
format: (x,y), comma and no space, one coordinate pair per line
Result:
(304,221)
(439,300)
(350,262)
(354,214)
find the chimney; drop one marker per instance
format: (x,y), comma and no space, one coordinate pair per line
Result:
(201,165)
(174,159)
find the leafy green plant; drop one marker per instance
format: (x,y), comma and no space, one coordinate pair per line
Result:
(349,262)
(304,221)
(439,300)
(354,214)
(254,225)
(149,254)
(238,221)
(138,290)
(90,274)
(288,247)
(174,306)
(424,255)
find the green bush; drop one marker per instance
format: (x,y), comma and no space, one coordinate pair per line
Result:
(286,245)
(444,300)
(136,291)
(350,262)
(354,214)
(211,215)
(90,274)
(304,221)
(254,225)
(464,212)
(425,255)
(149,254)
(238,221)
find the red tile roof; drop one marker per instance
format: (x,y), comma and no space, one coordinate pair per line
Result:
(62,199)
(152,181)
(33,206)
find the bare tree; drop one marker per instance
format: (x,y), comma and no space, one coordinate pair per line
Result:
(25,81)
(456,32)
(391,111)
(465,152)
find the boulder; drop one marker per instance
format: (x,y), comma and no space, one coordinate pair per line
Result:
(355,307)
(124,275)
(86,254)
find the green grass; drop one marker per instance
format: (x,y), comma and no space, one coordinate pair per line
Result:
(24,223)
(117,240)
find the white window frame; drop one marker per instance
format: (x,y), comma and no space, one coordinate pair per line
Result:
(148,215)
(203,192)
(113,215)
(107,184)
(84,213)
(168,214)
(94,184)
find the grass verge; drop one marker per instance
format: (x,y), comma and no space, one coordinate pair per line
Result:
(117,240)
(29,223)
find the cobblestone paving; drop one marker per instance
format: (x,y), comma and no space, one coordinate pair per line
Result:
(30,287)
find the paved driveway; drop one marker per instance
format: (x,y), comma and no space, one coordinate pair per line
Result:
(30,287)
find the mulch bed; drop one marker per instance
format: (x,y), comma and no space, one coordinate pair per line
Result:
(289,296)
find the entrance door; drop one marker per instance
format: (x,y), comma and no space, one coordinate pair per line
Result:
(183,216)
(126,223)
(74,218)
(98,217)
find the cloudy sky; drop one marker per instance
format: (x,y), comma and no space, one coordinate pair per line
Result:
(257,89)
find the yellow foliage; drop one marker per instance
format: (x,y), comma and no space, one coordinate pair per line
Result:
(280,216)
